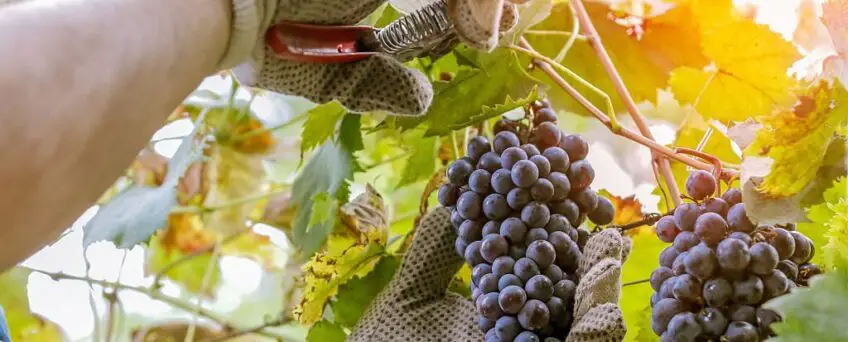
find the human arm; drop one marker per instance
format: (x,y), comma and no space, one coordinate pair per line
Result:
(82,93)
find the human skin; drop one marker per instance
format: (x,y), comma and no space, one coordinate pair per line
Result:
(83,86)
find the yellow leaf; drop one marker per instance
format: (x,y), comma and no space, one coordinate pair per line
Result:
(256,247)
(365,217)
(24,326)
(749,75)
(796,139)
(232,176)
(184,236)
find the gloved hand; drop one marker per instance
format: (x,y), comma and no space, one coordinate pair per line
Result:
(376,83)
(416,306)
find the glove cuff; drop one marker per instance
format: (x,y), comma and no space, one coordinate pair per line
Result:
(244,33)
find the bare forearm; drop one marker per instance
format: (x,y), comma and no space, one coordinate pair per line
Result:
(83,86)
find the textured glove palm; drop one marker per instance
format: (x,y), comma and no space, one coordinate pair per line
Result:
(416,306)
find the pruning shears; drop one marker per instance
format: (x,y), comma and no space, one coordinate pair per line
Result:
(425,32)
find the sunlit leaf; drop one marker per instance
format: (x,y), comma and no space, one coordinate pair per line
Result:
(320,125)
(325,331)
(635,299)
(232,176)
(356,295)
(749,76)
(829,225)
(422,162)
(23,325)
(256,247)
(185,235)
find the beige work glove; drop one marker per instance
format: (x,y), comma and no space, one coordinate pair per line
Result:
(376,83)
(416,306)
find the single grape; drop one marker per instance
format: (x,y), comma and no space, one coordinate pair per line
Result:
(687,288)
(561,242)
(493,246)
(480,182)
(603,213)
(512,155)
(456,219)
(658,276)
(535,214)
(491,227)
(542,252)
(488,283)
(459,246)
(748,291)
(576,147)
(477,147)
(548,133)
(502,266)
(789,269)
(678,267)
(554,272)
(504,140)
(535,234)
(527,336)
(512,299)
(507,328)
(742,313)
(740,332)
(783,242)
(663,312)
(744,237)
(502,181)
(586,200)
(491,336)
(566,208)
(774,284)
(477,273)
(542,191)
(667,288)
(531,150)
(485,324)
(509,279)
(733,255)
(540,104)
(713,321)
(716,205)
(558,159)
(495,207)
(565,289)
(555,306)
(737,219)
(505,124)
(472,253)
(525,269)
(568,257)
(666,229)
(684,327)
(765,318)
(581,174)
(655,297)
(490,161)
(732,196)
(717,292)
(803,248)
(685,216)
(470,205)
(517,198)
(542,164)
(513,230)
(534,315)
(561,186)
(448,194)
(558,223)
(470,230)
(487,306)
(763,258)
(475,293)
(458,172)
(667,256)
(700,184)
(524,174)
(685,240)
(539,287)
(701,262)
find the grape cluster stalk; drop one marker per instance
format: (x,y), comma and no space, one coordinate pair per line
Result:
(516,204)
(721,267)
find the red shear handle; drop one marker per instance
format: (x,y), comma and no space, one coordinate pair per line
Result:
(324,44)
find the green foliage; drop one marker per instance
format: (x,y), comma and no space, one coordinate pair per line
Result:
(320,125)
(355,296)
(325,331)
(829,225)
(422,163)
(188,273)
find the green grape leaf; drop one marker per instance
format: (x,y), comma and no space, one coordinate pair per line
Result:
(327,171)
(828,226)
(189,273)
(323,210)
(326,331)
(355,296)
(132,216)
(350,132)
(320,125)
(814,313)
(422,163)
(643,259)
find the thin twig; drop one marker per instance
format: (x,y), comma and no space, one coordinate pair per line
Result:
(624,94)
(623,131)
(388,160)
(235,202)
(280,320)
(575,32)
(636,282)
(555,33)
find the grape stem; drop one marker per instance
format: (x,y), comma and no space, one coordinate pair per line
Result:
(647,220)
(637,282)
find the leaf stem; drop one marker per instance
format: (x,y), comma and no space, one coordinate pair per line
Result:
(575,32)
(636,282)
(595,40)
(556,33)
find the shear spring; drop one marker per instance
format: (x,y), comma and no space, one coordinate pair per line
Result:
(422,25)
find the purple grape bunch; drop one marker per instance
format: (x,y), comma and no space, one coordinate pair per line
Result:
(516,207)
(721,268)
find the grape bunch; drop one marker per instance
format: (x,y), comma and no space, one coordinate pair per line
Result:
(720,268)
(516,204)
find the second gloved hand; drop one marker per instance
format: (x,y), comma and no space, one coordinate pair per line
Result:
(416,306)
